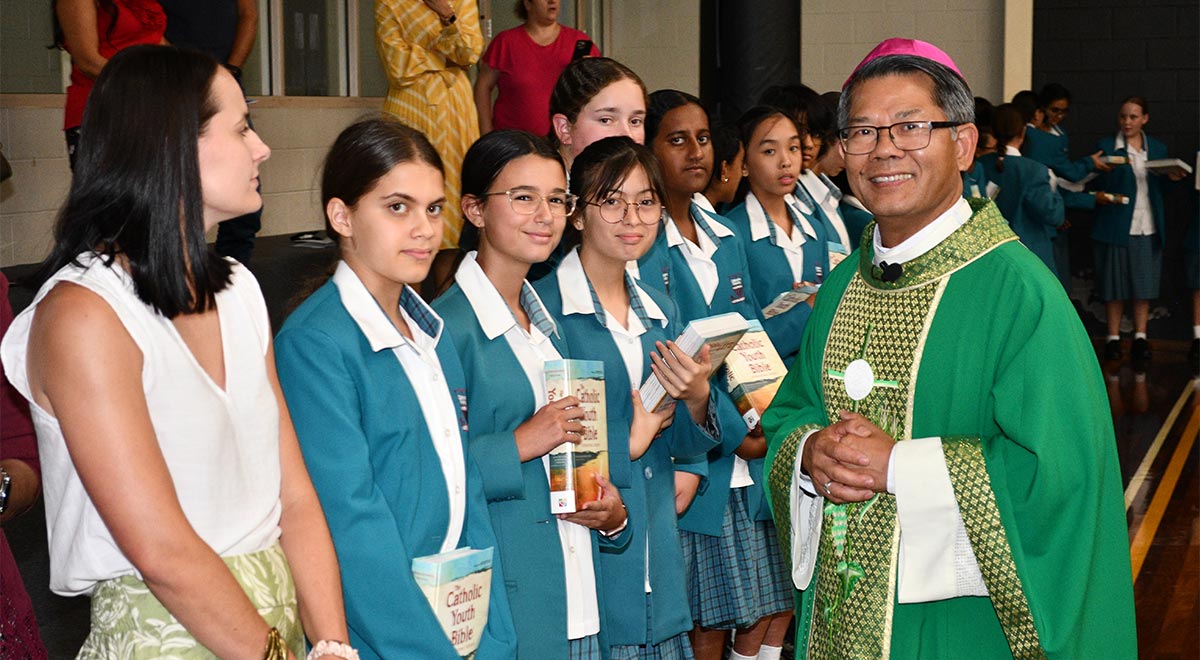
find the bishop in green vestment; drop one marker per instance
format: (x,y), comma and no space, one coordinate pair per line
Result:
(942,464)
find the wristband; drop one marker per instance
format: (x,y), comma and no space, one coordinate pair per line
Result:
(334,648)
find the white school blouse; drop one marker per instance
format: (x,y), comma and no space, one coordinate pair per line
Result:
(221,446)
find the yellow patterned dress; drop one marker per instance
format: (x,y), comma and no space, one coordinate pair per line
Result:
(428,88)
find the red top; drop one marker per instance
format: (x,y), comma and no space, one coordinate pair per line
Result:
(137,22)
(528,72)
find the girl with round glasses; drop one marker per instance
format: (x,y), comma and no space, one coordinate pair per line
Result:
(380,398)
(736,576)
(785,249)
(516,204)
(606,315)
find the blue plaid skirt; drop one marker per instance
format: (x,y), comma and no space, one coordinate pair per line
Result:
(738,578)
(585,648)
(1129,272)
(675,648)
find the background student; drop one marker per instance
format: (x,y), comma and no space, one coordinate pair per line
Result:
(516,204)
(736,576)
(785,249)
(1128,238)
(381,400)
(1026,198)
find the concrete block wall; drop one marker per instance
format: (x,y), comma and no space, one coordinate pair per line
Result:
(660,40)
(299,131)
(836,34)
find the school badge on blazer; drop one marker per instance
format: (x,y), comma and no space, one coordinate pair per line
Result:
(666,275)
(738,289)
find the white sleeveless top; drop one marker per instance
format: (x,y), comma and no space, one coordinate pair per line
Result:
(221,447)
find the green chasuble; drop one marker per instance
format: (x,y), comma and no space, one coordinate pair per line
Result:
(978,345)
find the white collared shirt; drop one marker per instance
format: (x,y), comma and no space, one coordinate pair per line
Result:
(926,239)
(533,349)
(576,294)
(823,195)
(792,245)
(699,255)
(1142,223)
(418,357)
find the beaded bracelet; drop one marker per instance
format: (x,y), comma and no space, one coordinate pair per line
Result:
(334,648)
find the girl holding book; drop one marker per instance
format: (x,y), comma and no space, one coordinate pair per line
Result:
(785,249)
(516,204)
(1128,238)
(380,398)
(736,577)
(606,315)
(1027,200)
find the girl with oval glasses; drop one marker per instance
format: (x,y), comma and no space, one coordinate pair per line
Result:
(607,316)
(516,204)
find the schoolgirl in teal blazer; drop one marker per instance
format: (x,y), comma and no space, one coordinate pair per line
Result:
(515,203)
(386,450)
(617,181)
(771,273)
(1113,220)
(1033,209)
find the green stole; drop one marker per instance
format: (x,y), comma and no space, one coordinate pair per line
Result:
(848,607)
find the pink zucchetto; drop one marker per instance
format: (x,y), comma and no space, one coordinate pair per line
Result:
(898,46)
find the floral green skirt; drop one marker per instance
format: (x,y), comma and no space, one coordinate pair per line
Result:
(128,622)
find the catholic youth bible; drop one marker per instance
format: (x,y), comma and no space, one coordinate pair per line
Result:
(753,373)
(720,333)
(457,585)
(573,467)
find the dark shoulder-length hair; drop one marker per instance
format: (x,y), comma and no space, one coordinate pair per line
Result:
(487,158)
(601,168)
(136,190)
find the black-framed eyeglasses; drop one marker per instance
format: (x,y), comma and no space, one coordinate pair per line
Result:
(906,135)
(527,202)
(614,209)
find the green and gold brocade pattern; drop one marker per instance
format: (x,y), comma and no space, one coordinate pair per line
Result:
(855,579)
(981,516)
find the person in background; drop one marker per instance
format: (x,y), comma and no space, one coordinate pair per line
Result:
(728,155)
(1049,146)
(516,202)
(832,166)
(1128,238)
(524,63)
(426,48)
(918,471)
(380,399)
(176,495)
(786,250)
(737,579)
(92,31)
(225,31)
(607,316)
(1026,197)
(594,98)
(818,199)
(974,178)
(20,483)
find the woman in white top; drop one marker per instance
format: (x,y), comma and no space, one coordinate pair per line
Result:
(176,495)
(516,202)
